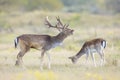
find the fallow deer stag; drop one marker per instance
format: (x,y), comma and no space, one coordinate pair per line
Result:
(42,42)
(89,47)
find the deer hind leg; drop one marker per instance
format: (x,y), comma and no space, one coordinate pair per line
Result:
(102,57)
(20,55)
(93,58)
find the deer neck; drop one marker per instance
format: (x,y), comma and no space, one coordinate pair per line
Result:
(79,54)
(60,37)
(57,40)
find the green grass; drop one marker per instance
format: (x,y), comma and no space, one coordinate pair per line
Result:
(86,26)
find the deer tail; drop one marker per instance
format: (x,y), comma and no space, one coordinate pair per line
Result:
(16,41)
(103,43)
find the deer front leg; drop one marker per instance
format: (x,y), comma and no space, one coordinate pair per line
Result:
(87,55)
(49,60)
(42,60)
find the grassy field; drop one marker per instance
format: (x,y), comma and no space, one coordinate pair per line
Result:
(86,26)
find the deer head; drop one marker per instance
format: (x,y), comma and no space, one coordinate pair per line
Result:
(63,28)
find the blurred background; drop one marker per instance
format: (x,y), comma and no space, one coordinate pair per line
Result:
(89,18)
(16,13)
(90,6)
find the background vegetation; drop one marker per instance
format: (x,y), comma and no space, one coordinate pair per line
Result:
(92,6)
(89,19)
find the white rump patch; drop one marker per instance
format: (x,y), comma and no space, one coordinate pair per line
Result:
(16,41)
(103,44)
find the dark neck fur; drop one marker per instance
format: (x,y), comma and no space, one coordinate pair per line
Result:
(80,53)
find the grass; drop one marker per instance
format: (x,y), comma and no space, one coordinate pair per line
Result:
(86,26)
(62,68)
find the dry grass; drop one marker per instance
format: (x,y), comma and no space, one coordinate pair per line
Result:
(86,27)
(62,68)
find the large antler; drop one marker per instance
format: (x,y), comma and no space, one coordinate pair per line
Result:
(50,25)
(59,24)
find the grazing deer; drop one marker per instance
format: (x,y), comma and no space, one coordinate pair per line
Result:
(89,47)
(42,42)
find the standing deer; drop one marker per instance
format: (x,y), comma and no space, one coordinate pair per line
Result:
(89,47)
(42,42)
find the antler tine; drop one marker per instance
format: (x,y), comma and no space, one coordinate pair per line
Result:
(59,21)
(48,23)
(64,26)
(67,25)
